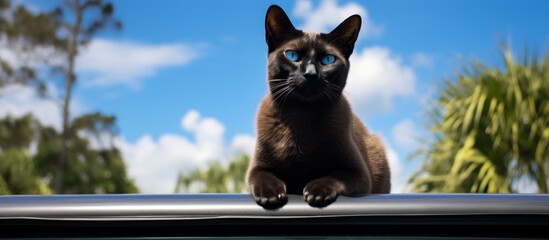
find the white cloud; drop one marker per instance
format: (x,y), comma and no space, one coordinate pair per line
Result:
(190,120)
(155,164)
(243,143)
(405,134)
(17,100)
(107,62)
(328,15)
(376,77)
(398,179)
(422,60)
(7,55)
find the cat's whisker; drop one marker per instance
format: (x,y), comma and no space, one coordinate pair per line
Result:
(334,91)
(333,86)
(290,90)
(278,80)
(280,96)
(328,95)
(278,93)
(277,87)
(333,95)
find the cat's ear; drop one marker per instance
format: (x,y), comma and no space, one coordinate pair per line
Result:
(278,27)
(344,36)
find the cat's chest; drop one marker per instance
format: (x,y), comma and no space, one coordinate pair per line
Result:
(302,140)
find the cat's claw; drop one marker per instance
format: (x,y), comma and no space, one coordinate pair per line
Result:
(270,197)
(272,202)
(320,201)
(320,196)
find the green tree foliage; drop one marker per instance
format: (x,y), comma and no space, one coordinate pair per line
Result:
(216,178)
(93,169)
(491,130)
(18,174)
(90,169)
(17,168)
(25,32)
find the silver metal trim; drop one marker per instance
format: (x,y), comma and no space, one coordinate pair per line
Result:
(214,206)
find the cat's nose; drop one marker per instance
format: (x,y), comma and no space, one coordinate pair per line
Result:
(310,72)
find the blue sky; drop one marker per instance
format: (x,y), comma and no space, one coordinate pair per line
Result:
(185,78)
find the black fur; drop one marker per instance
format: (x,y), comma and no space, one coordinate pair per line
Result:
(308,140)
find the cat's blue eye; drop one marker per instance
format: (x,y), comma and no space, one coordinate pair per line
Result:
(328,59)
(292,55)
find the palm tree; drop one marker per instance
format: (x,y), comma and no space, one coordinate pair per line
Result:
(491,130)
(216,178)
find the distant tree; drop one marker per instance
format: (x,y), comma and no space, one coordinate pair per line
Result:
(24,32)
(18,132)
(86,168)
(18,173)
(78,21)
(237,173)
(490,130)
(95,165)
(216,178)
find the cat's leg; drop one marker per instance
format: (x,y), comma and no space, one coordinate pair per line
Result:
(323,191)
(266,189)
(381,174)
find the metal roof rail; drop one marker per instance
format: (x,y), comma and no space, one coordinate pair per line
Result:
(239,215)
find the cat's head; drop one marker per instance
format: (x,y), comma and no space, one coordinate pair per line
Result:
(307,67)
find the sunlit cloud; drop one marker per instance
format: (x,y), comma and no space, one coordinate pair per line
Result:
(108,62)
(155,164)
(422,60)
(398,178)
(17,100)
(328,14)
(105,63)
(377,77)
(405,134)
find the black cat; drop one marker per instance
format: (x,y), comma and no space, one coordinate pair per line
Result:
(308,139)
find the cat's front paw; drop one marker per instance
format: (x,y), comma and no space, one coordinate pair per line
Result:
(321,192)
(270,194)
